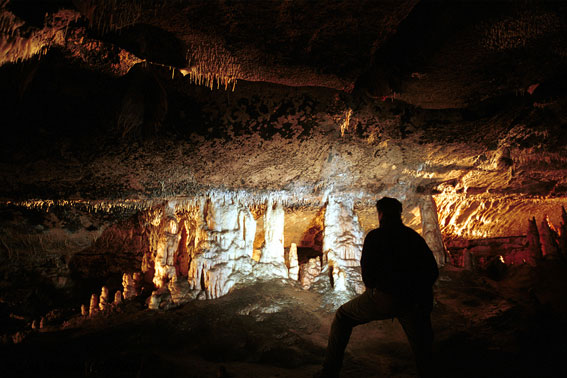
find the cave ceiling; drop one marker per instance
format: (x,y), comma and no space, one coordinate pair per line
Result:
(156,99)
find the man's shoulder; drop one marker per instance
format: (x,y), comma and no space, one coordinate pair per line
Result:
(374,233)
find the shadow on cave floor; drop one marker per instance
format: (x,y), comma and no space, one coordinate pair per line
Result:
(484,328)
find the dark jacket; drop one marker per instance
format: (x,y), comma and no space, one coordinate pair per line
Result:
(396,260)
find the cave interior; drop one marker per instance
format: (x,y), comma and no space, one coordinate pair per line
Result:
(185,186)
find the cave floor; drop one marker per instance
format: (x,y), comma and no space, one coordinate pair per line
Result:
(511,327)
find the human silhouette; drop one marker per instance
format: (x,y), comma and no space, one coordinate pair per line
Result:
(398,270)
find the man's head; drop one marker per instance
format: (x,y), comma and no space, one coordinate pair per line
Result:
(389,209)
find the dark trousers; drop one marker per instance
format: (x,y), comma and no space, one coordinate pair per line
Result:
(375,305)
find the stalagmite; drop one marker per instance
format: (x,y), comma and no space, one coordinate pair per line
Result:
(131,284)
(309,271)
(548,238)
(93,307)
(154,302)
(293,263)
(104,302)
(339,279)
(34,325)
(117,297)
(42,323)
(342,243)
(84,311)
(430,229)
(534,244)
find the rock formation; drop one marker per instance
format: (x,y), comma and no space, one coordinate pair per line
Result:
(293,266)
(430,229)
(309,271)
(534,243)
(342,244)
(272,261)
(93,307)
(104,300)
(117,298)
(548,239)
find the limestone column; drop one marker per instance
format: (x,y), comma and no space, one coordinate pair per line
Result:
(430,229)
(342,244)
(534,245)
(293,263)
(273,251)
(547,237)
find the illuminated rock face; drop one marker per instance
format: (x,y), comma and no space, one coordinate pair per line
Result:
(223,246)
(342,245)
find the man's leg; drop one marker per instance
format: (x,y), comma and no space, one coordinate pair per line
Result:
(417,325)
(362,309)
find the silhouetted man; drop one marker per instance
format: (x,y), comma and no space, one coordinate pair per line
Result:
(398,270)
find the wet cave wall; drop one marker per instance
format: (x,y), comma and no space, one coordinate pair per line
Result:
(163,152)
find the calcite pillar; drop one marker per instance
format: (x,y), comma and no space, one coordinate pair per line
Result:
(430,229)
(167,245)
(534,244)
(467,260)
(273,251)
(293,266)
(342,244)
(548,239)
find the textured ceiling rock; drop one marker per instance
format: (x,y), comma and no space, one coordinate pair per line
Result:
(298,43)
(377,98)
